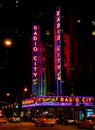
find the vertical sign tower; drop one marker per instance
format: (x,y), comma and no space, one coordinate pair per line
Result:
(38,63)
(57,51)
(35,60)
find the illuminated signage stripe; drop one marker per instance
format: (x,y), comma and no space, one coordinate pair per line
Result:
(35,59)
(58,52)
(58,101)
(54,104)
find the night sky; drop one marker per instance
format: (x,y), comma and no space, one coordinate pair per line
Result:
(15,62)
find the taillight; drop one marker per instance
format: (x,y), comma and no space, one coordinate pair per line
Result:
(44,119)
(54,119)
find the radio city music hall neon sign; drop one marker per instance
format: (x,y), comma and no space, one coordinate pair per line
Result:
(58,101)
(35,50)
(58,46)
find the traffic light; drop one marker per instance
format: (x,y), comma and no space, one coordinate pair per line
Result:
(16,105)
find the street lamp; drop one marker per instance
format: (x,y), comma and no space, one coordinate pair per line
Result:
(25,89)
(7,42)
(24,92)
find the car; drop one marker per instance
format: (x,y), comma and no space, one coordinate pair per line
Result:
(3,120)
(65,120)
(46,119)
(61,120)
(71,121)
(14,119)
(86,123)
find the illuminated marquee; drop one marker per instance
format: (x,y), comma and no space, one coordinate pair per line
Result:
(57,101)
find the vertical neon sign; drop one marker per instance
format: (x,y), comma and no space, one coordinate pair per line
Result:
(57,51)
(35,59)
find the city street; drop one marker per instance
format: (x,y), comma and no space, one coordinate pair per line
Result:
(30,126)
